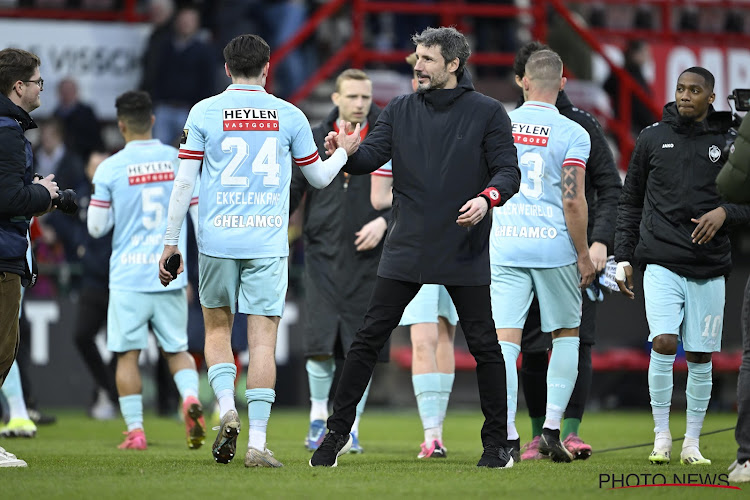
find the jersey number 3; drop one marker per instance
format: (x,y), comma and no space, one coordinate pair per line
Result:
(264,163)
(533,165)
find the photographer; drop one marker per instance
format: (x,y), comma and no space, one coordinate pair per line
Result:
(733,181)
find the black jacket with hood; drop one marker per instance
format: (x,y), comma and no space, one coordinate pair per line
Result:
(447,146)
(671,180)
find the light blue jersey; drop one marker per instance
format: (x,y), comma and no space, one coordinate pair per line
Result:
(530,230)
(247,140)
(136,184)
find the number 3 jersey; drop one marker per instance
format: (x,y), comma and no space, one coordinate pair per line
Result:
(530,230)
(136,184)
(246,139)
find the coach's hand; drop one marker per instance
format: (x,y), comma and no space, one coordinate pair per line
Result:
(586,269)
(165,276)
(624,279)
(347,138)
(370,235)
(473,212)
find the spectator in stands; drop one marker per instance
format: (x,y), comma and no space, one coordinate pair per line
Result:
(160,14)
(603,188)
(637,54)
(343,236)
(679,235)
(82,132)
(184,75)
(54,157)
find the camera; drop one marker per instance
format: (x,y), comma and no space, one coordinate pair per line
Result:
(741,98)
(65,201)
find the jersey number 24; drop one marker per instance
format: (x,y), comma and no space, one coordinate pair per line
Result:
(264,164)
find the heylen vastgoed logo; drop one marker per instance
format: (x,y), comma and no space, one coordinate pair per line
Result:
(675,480)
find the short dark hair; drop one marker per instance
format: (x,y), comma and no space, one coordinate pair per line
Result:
(246,55)
(16,64)
(135,109)
(523,54)
(453,44)
(707,75)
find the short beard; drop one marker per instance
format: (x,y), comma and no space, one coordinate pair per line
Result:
(685,120)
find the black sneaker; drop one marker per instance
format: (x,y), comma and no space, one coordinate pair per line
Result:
(333,446)
(496,457)
(551,445)
(515,450)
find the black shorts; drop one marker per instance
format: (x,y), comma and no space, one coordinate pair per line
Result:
(534,339)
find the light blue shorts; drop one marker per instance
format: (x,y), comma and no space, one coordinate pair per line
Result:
(130,314)
(692,309)
(556,288)
(431,302)
(257,285)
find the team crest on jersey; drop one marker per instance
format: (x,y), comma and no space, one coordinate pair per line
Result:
(251,119)
(154,171)
(183,137)
(714,153)
(533,135)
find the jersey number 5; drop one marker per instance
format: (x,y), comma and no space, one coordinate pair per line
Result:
(264,163)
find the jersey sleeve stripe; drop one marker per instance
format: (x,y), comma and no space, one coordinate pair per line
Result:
(306,158)
(382,173)
(100,203)
(310,161)
(190,156)
(191,151)
(194,201)
(575,162)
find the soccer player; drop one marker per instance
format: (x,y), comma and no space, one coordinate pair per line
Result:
(242,141)
(431,318)
(538,243)
(672,222)
(343,236)
(131,191)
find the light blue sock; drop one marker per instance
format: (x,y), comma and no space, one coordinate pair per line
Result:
(446,387)
(13,392)
(698,392)
(187,383)
(361,408)
(427,391)
(131,408)
(259,403)
(510,355)
(561,378)
(320,378)
(221,377)
(660,384)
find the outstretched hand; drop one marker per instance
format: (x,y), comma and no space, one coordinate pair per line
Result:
(473,212)
(346,138)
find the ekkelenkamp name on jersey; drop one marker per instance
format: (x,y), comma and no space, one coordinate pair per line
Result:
(252,198)
(535,135)
(154,171)
(248,119)
(242,221)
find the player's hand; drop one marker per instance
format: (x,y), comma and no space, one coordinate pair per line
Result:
(598,254)
(586,269)
(708,224)
(473,212)
(624,279)
(330,143)
(165,276)
(370,235)
(348,139)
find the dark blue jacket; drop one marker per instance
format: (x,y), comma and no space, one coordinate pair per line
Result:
(19,198)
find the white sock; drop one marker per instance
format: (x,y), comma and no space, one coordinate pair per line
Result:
(226,401)
(554,416)
(690,441)
(661,418)
(318,409)
(257,437)
(433,433)
(355,425)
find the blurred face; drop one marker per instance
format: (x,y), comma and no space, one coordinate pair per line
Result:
(353,100)
(187,23)
(432,71)
(68,92)
(29,92)
(693,97)
(49,137)
(94,160)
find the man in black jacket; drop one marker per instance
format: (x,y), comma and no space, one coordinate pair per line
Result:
(21,196)
(603,188)
(671,221)
(343,240)
(448,144)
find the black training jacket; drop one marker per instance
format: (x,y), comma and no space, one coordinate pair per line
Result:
(672,179)
(447,146)
(19,198)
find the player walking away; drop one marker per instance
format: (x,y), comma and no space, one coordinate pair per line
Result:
(245,140)
(672,222)
(131,192)
(449,144)
(431,318)
(343,236)
(603,187)
(538,244)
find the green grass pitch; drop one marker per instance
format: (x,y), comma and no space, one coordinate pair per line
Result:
(78,458)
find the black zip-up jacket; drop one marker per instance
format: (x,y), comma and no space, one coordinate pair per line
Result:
(672,179)
(334,269)
(19,198)
(447,146)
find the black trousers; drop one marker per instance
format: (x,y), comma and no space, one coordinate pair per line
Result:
(389,299)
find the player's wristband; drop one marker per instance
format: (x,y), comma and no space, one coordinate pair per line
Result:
(492,195)
(620,271)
